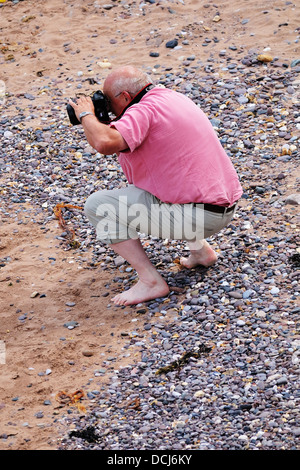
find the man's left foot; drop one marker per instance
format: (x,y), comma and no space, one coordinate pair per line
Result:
(204,257)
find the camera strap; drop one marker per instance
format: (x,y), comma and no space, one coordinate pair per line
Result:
(135,99)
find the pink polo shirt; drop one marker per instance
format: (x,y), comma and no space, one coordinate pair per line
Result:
(174,152)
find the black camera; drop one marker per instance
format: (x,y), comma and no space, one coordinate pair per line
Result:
(100,106)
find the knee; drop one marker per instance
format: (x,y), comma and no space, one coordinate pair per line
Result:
(88,208)
(96,203)
(92,204)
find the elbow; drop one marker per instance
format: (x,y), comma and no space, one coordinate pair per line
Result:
(107,142)
(104,147)
(109,146)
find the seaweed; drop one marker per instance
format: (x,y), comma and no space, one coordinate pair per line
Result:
(295,259)
(69,231)
(175,365)
(87,434)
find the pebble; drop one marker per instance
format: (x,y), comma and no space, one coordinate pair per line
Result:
(235,294)
(171,44)
(8,134)
(242,393)
(293,199)
(71,324)
(295,62)
(275,290)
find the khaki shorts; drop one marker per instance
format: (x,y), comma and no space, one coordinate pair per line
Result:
(121,214)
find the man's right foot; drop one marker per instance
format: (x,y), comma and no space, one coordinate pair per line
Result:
(142,292)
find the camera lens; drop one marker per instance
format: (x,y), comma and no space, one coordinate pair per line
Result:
(72,116)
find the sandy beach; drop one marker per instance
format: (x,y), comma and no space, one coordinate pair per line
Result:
(58,330)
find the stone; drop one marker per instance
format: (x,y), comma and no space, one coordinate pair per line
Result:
(119,261)
(171,44)
(295,62)
(293,199)
(34,294)
(8,134)
(235,294)
(71,324)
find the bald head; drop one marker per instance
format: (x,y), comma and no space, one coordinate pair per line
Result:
(127,78)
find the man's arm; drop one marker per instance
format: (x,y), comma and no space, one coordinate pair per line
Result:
(101,137)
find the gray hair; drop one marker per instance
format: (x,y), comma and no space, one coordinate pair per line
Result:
(133,81)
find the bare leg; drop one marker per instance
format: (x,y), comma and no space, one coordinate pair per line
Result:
(201,254)
(150,285)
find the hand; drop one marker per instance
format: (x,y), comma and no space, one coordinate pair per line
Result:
(83,103)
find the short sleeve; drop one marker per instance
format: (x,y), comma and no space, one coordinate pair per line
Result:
(135,125)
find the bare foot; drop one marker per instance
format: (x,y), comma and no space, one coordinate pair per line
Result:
(204,257)
(141,292)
